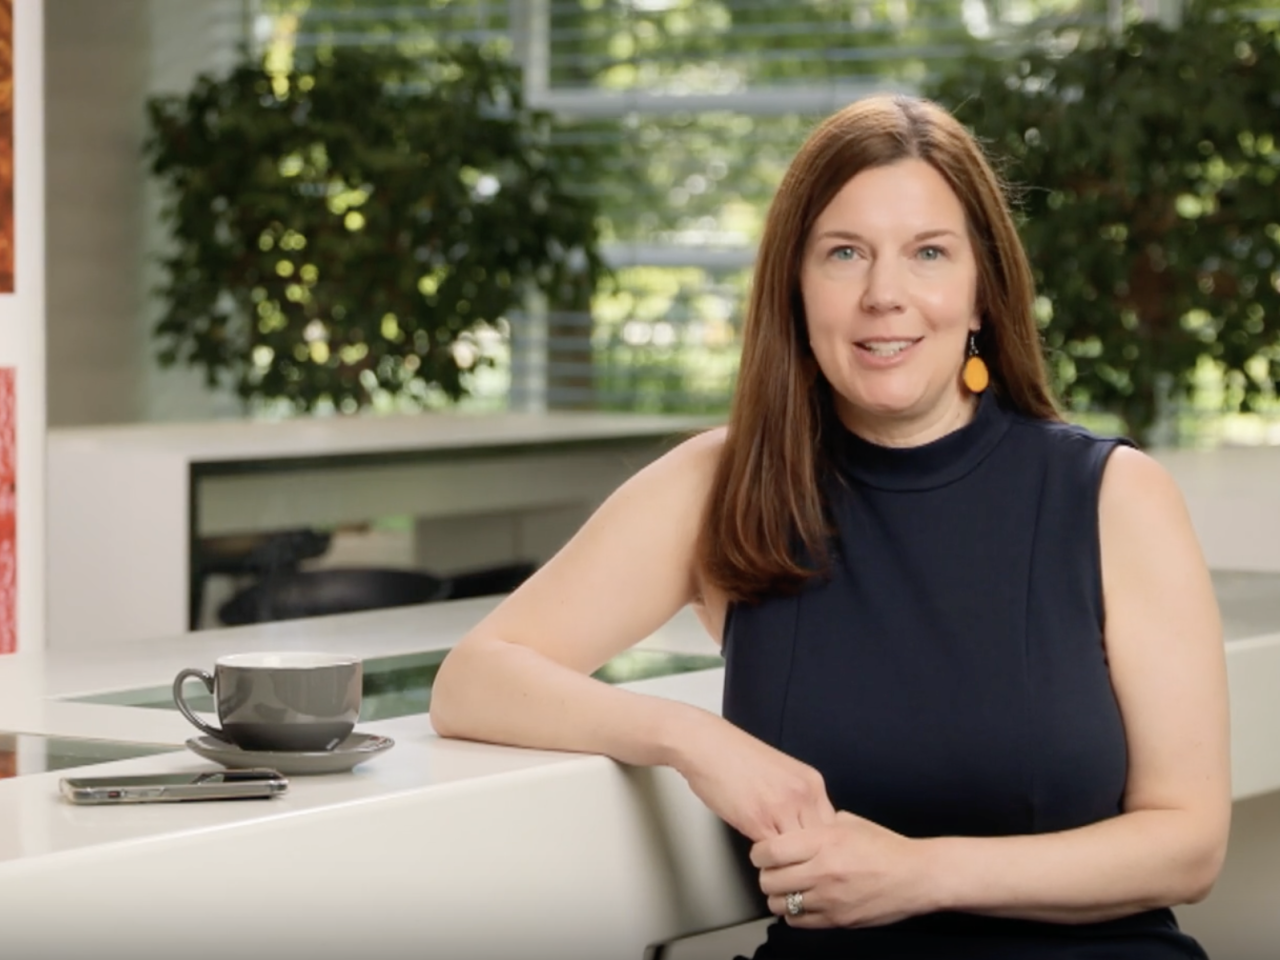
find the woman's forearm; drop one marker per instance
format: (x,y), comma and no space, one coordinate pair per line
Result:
(500,692)
(1137,861)
(504,692)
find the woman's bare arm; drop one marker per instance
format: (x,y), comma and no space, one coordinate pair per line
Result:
(519,676)
(522,676)
(1168,669)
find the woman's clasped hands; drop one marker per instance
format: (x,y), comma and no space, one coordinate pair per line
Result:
(848,872)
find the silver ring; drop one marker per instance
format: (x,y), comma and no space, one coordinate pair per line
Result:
(795,904)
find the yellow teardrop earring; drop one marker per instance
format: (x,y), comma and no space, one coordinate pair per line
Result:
(976,376)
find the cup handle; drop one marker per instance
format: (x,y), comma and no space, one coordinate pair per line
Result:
(207,679)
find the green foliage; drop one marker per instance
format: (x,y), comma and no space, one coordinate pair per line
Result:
(342,230)
(1149,173)
(687,178)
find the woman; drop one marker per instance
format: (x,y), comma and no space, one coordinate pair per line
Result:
(975,688)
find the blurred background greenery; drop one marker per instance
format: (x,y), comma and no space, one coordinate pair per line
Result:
(1139,135)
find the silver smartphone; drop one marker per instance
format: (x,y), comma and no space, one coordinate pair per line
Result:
(162,788)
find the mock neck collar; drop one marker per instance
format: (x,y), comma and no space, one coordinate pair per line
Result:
(930,465)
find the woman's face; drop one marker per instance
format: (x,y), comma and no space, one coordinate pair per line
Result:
(889,282)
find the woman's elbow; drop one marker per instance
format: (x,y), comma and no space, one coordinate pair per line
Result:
(1206,875)
(447,696)
(1198,888)
(1205,866)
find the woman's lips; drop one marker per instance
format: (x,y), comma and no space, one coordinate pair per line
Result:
(884,351)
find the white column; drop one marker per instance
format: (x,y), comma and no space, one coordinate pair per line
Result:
(22,326)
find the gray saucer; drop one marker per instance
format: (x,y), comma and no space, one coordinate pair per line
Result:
(357,748)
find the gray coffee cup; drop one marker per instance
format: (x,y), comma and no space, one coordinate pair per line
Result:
(279,701)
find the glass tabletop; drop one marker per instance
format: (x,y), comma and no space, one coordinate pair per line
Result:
(400,686)
(24,753)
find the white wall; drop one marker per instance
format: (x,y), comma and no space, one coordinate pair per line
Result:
(104,58)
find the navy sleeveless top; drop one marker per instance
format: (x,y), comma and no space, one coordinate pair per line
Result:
(948,676)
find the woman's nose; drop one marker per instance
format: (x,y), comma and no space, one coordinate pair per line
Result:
(883,292)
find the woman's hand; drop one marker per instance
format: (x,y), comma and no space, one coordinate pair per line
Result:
(850,873)
(758,790)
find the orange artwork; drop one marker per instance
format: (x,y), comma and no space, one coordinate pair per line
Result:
(8,514)
(6,146)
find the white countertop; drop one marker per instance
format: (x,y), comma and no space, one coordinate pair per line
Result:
(33,692)
(550,826)
(399,841)
(213,441)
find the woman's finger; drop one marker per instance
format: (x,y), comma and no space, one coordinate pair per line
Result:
(783,880)
(799,908)
(796,846)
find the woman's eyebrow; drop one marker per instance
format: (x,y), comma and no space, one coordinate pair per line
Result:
(851,235)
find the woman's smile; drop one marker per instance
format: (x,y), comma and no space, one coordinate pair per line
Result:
(881,352)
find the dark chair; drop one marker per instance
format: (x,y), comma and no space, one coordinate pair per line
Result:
(257,555)
(317,593)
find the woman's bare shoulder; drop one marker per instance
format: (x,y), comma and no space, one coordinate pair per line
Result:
(703,450)
(1136,490)
(686,471)
(626,571)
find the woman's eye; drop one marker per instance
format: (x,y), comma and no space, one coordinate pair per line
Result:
(843,253)
(931,253)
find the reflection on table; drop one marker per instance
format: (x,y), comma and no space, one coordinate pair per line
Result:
(22,754)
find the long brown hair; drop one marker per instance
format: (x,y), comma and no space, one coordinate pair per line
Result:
(765,529)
